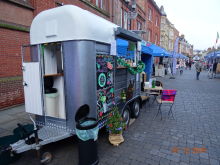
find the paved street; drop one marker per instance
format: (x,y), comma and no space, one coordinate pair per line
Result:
(192,138)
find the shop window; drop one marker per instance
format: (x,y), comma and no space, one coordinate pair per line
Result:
(156,21)
(150,14)
(125,20)
(102,4)
(139,25)
(149,35)
(121,20)
(156,39)
(129,24)
(58,3)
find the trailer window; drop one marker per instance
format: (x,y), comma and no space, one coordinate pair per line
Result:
(30,53)
(52,58)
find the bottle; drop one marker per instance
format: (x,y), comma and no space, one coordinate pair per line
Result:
(123,95)
(153,84)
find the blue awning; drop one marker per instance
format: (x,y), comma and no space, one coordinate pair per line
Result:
(178,55)
(213,55)
(158,51)
(122,47)
(146,50)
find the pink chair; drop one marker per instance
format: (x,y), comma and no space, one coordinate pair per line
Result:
(167,97)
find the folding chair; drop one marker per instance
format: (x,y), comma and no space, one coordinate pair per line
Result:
(167,97)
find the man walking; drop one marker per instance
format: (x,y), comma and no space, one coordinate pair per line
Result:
(198,67)
(190,64)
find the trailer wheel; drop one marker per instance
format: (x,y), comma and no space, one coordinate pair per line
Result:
(126,116)
(135,109)
(46,158)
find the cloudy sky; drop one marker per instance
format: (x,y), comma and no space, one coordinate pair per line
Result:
(198,20)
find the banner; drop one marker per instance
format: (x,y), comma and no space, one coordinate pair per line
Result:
(217,38)
(175,50)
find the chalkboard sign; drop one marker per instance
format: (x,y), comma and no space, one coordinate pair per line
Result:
(105,89)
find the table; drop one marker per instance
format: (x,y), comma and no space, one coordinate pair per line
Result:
(153,91)
(157,88)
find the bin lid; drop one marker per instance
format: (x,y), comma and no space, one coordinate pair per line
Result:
(50,90)
(82,113)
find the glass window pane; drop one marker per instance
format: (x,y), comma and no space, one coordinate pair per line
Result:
(30,53)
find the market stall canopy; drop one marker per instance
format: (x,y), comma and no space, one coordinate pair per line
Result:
(217,54)
(178,55)
(157,51)
(70,22)
(213,55)
(146,50)
(181,56)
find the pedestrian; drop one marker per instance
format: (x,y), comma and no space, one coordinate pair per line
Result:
(190,64)
(198,67)
(187,64)
(181,66)
(214,68)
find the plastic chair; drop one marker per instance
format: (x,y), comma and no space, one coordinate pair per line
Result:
(167,97)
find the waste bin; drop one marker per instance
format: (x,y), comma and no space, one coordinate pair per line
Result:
(87,133)
(51,102)
(51,97)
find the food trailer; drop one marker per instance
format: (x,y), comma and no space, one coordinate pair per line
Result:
(72,61)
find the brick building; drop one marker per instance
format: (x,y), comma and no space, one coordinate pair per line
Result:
(15,20)
(16,17)
(153,22)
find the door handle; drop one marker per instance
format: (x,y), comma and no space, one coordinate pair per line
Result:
(25,84)
(22,68)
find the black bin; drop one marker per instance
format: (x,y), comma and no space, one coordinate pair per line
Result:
(87,147)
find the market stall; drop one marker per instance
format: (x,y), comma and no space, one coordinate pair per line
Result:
(160,59)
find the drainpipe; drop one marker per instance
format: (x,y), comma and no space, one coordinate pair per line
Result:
(113,11)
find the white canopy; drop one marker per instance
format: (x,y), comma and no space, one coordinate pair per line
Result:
(70,23)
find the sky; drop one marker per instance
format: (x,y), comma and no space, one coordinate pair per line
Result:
(198,20)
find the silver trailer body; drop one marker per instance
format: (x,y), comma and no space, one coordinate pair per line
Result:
(70,57)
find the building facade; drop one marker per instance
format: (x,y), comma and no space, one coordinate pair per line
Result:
(168,33)
(185,47)
(153,22)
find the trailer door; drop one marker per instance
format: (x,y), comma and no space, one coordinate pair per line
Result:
(32,80)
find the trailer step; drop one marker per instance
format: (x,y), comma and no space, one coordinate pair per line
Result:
(46,135)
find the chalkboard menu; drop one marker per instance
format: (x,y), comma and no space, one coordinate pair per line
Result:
(105,88)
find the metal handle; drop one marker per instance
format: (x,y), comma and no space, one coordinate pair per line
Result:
(25,84)
(22,68)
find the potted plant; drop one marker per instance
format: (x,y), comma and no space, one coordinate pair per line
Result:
(115,126)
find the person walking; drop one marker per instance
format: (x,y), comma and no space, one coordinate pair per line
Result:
(214,69)
(190,64)
(181,66)
(198,67)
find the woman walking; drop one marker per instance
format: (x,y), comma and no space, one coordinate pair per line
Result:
(198,67)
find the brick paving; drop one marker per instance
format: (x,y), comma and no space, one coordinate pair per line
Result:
(196,128)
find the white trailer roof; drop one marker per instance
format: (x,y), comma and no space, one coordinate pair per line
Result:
(70,23)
